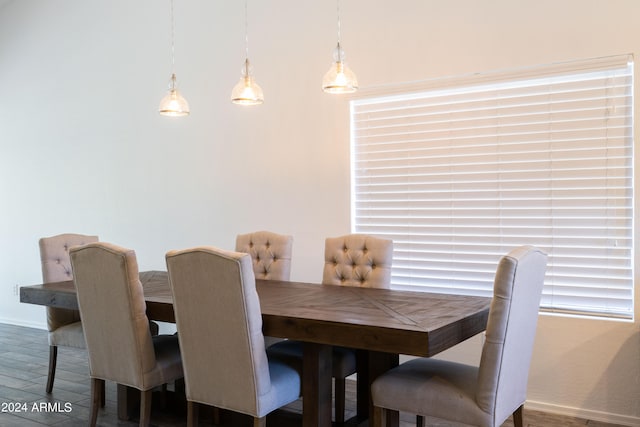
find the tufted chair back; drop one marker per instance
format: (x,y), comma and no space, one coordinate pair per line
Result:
(56,267)
(114,318)
(358,260)
(511,330)
(484,395)
(214,295)
(270,253)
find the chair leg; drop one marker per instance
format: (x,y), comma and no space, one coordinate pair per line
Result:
(379,417)
(517,417)
(192,413)
(145,407)
(97,391)
(419,421)
(339,399)
(53,357)
(163,396)
(103,394)
(260,422)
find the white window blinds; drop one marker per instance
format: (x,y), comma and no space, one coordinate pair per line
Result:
(461,172)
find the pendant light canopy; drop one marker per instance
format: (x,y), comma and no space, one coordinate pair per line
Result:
(173,104)
(339,78)
(247,91)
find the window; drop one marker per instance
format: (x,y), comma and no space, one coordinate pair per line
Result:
(460,171)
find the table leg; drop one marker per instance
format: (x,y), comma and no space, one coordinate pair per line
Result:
(372,364)
(316,385)
(363,397)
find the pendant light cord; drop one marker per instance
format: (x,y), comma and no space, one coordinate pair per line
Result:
(339,48)
(246,30)
(338,13)
(173,57)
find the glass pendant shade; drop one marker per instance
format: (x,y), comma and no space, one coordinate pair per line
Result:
(173,104)
(339,78)
(247,91)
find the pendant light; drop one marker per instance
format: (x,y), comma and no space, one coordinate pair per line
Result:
(247,91)
(339,78)
(173,104)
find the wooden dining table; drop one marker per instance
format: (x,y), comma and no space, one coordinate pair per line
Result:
(380,324)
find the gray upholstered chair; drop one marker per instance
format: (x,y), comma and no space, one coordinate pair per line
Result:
(270,253)
(219,324)
(482,396)
(351,260)
(65,328)
(116,327)
(271,258)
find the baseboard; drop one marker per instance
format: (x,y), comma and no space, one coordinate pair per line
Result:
(588,414)
(28,324)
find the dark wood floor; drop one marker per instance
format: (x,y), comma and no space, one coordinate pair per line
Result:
(24,403)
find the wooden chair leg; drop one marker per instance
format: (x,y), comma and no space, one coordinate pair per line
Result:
(419,421)
(517,417)
(179,387)
(379,417)
(145,407)
(339,399)
(163,397)
(216,416)
(103,394)
(97,387)
(192,413)
(260,422)
(53,357)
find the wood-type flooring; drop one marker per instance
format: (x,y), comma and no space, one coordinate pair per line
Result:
(24,403)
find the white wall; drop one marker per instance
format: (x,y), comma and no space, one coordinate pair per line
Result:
(82,148)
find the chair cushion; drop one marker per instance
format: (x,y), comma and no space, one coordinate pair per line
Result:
(343,359)
(432,387)
(70,335)
(285,387)
(168,360)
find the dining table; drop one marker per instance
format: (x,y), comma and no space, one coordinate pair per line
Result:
(380,324)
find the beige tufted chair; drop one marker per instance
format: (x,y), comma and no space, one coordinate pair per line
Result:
(270,257)
(351,260)
(64,325)
(116,327)
(270,253)
(357,260)
(65,328)
(220,329)
(484,395)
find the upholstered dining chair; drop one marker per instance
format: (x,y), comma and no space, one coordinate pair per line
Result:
(219,325)
(65,328)
(350,260)
(482,396)
(116,328)
(270,253)
(270,256)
